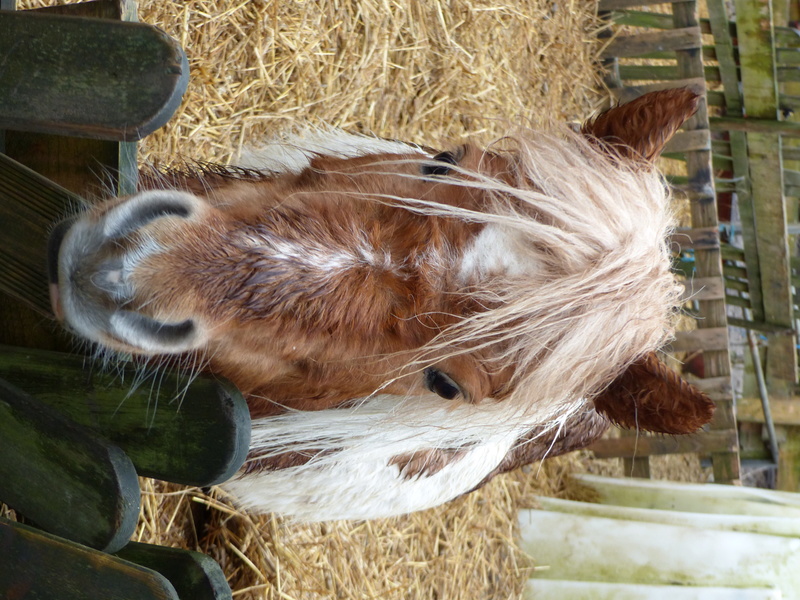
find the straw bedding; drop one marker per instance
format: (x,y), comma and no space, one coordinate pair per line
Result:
(431,72)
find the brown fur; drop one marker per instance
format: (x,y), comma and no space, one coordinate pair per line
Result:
(294,335)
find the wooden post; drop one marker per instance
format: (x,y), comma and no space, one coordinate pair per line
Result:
(760,95)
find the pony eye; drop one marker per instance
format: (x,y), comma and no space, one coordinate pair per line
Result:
(441,164)
(441,384)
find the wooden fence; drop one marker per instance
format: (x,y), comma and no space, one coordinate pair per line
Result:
(676,41)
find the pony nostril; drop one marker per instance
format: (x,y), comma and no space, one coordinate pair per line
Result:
(145,208)
(152,335)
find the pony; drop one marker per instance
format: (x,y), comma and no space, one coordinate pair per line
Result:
(404,323)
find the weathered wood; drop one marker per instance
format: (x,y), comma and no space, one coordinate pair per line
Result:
(644,445)
(628,93)
(653,41)
(708,260)
(787,56)
(36,565)
(784,411)
(760,95)
(196,434)
(29,205)
(789,460)
(723,40)
(706,238)
(194,575)
(716,387)
(713,338)
(660,73)
(91,78)
(83,166)
(703,288)
(689,141)
(760,325)
(786,36)
(638,18)
(119,10)
(754,125)
(622,4)
(57,474)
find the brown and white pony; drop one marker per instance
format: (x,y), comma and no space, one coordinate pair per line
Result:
(404,324)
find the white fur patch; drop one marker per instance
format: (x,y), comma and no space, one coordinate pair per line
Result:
(295,152)
(355,480)
(492,252)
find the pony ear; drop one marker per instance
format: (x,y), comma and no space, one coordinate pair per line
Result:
(641,128)
(650,396)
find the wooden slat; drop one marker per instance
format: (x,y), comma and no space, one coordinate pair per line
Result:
(713,338)
(622,4)
(705,238)
(755,125)
(38,565)
(703,288)
(715,387)
(689,141)
(654,41)
(29,205)
(643,445)
(760,94)
(93,78)
(628,93)
(86,167)
(784,412)
(194,575)
(57,474)
(720,26)
(661,73)
(196,435)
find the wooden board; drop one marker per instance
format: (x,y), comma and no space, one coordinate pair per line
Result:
(36,565)
(653,41)
(58,475)
(644,445)
(196,435)
(29,205)
(93,78)
(194,575)
(86,167)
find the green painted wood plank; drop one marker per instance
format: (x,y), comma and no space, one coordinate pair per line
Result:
(791,154)
(760,94)
(661,73)
(622,4)
(689,141)
(713,318)
(653,41)
(710,338)
(59,476)
(196,435)
(756,125)
(638,18)
(194,575)
(644,445)
(786,36)
(787,56)
(38,566)
(718,18)
(709,53)
(87,77)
